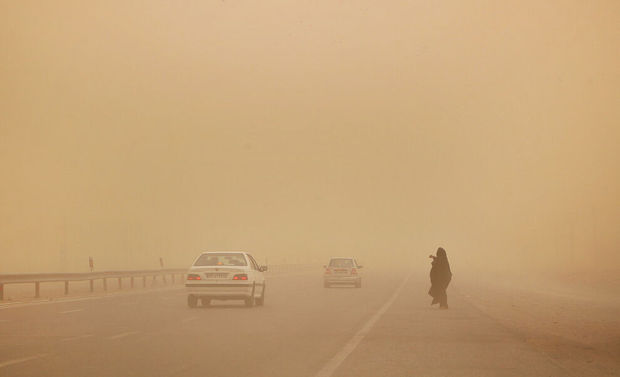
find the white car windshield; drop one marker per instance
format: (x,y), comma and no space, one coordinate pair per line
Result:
(221,259)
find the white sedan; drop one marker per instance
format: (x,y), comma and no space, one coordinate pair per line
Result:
(230,275)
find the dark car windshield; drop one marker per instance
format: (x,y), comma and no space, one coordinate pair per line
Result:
(221,259)
(341,263)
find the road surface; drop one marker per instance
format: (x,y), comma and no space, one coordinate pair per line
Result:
(386,328)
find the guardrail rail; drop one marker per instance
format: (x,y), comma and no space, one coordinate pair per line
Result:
(37,279)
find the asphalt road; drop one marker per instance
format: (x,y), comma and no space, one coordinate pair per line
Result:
(386,328)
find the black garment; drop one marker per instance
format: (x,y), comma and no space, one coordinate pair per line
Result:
(440,278)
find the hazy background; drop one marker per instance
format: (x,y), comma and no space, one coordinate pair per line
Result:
(131,130)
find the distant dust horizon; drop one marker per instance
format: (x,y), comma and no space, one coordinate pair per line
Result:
(133,131)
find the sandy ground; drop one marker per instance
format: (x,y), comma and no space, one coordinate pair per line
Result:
(575,319)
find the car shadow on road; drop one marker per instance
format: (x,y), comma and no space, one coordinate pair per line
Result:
(342,287)
(217,306)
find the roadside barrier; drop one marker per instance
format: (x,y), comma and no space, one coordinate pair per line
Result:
(37,279)
(163,274)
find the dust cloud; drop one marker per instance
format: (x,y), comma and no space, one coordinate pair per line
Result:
(298,130)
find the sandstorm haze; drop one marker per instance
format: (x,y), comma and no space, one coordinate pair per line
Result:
(298,130)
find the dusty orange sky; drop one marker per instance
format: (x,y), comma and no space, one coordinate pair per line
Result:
(132,130)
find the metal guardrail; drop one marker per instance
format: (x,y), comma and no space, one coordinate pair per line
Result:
(37,279)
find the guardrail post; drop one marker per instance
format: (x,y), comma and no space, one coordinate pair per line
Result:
(143,281)
(105,284)
(37,289)
(163,276)
(172,276)
(120,283)
(66,287)
(1,291)
(92,285)
(131,282)
(154,280)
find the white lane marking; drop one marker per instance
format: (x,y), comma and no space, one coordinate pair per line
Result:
(189,319)
(76,337)
(23,359)
(4,320)
(333,364)
(121,335)
(71,311)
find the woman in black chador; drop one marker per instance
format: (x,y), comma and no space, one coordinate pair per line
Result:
(440,278)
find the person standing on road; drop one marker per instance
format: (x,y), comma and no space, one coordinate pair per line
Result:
(440,278)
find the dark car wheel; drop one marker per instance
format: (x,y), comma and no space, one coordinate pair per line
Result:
(250,301)
(261,300)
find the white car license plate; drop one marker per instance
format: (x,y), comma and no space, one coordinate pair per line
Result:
(216,275)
